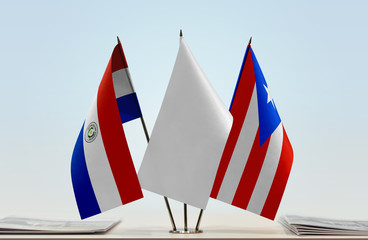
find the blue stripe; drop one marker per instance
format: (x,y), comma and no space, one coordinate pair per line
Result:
(129,107)
(83,190)
(240,73)
(268,116)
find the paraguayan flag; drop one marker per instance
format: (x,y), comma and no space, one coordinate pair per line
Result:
(102,170)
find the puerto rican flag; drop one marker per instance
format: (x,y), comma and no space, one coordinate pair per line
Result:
(257,158)
(102,170)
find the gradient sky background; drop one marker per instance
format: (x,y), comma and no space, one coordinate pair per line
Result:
(313,55)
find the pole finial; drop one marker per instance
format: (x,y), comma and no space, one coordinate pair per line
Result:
(250,41)
(118,39)
(181,33)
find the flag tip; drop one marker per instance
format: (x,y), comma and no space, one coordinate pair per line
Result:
(118,39)
(250,41)
(181,33)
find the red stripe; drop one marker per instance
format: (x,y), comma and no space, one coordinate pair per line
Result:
(250,174)
(114,140)
(118,58)
(279,182)
(239,110)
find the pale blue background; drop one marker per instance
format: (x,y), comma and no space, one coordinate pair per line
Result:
(313,55)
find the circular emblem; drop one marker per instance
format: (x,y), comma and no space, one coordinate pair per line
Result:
(91,132)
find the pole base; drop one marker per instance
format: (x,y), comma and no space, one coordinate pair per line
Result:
(182,231)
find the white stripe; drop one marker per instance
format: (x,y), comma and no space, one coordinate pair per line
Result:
(268,172)
(122,85)
(98,166)
(241,152)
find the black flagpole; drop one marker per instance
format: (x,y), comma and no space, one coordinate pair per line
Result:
(148,138)
(185,205)
(199,220)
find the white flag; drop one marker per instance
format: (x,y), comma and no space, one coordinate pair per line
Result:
(188,138)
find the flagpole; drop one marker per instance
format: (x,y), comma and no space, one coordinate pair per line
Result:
(199,220)
(148,138)
(185,218)
(185,205)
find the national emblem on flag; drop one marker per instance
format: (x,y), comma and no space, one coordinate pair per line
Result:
(102,170)
(257,158)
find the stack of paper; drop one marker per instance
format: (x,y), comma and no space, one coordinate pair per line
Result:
(322,226)
(42,226)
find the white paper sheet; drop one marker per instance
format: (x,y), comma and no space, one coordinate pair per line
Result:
(44,226)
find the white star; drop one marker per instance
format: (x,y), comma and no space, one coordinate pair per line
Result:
(269,98)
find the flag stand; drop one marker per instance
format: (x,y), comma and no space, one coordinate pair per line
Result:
(147,138)
(186,230)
